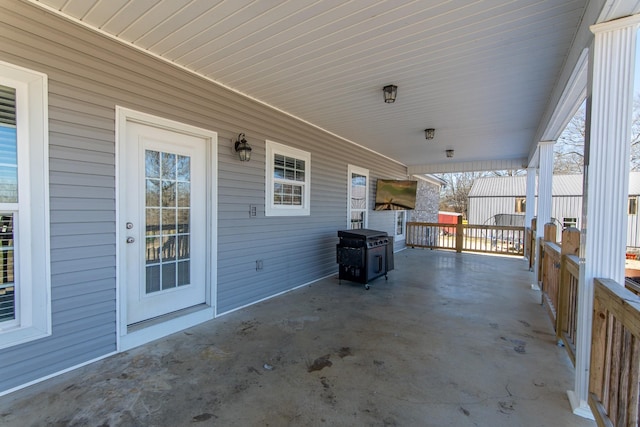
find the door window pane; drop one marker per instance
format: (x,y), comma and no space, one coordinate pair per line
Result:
(152,193)
(168,210)
(152,164)
(168,275)
(184,194)
(153,222)
(358,199)
(357,220)
(184,272)
(153,250)
(168,166)
(400,215)
(183,220)
(184,168)
(152,278)
(358,191)
(168,193)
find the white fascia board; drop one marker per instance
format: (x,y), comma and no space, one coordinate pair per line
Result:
(430,178)
(573,95)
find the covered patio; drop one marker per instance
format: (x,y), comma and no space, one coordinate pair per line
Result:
(173,168)
(449,339)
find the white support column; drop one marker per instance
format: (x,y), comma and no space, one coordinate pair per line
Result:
(545,181)
(530,204)
(606,180)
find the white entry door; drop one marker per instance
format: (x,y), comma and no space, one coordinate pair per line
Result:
(165,221)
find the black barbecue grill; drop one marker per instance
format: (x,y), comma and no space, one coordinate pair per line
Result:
(364,255)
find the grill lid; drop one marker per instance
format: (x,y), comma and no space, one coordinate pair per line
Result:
(362,233)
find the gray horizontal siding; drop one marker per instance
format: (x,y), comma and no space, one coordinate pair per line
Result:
(294,250)
(88,76)
(84,277)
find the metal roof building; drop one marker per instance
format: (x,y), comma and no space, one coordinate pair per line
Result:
(493,196)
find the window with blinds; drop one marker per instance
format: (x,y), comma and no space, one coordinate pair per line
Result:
(25,279)
(287,181)
(8,201)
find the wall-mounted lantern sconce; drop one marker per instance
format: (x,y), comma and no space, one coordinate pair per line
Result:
(243,148)
(449,153)
(429,133)
(390,93)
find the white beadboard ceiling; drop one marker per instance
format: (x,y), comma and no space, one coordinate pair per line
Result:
(480,72)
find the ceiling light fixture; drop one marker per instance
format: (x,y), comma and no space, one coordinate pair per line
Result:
(429,133)
(390,93)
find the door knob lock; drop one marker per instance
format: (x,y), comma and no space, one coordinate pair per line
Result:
(130,239)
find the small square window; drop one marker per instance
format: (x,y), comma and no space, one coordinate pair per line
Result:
(287,181)
(521,205)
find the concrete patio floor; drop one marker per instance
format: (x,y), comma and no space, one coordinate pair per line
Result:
(449,340)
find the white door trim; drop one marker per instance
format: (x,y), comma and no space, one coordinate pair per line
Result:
(125,339)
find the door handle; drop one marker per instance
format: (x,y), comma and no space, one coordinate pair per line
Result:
(130,239)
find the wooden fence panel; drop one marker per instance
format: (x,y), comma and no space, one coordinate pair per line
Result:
(468,238)
(568,306)
(551,278)
(615,355)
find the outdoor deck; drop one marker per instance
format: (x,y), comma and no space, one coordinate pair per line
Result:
(451,339)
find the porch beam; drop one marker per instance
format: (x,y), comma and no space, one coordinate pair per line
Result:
(474,166)
(606,179)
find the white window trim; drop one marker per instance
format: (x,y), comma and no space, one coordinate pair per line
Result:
(351,169)
(32,247)
(271,209)
(400,237)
